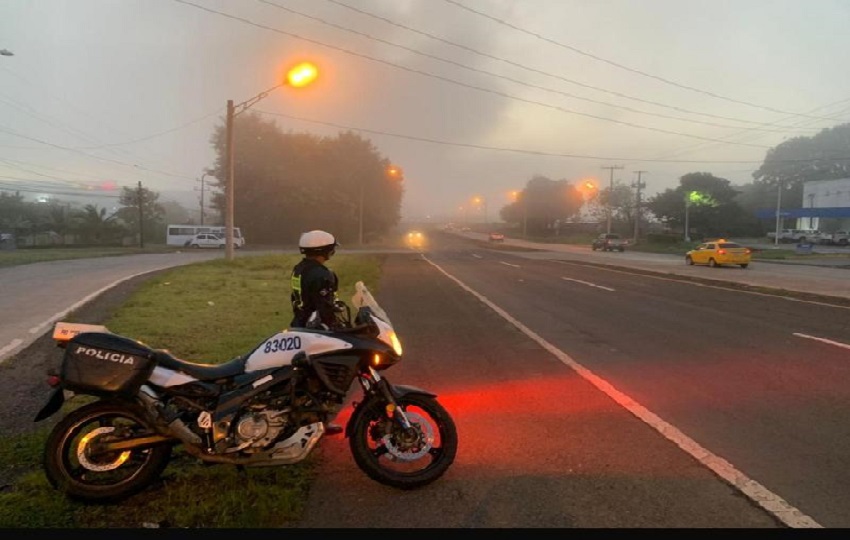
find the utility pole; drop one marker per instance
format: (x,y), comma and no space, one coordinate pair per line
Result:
(611,194)
(203,176)
(638,185)
(141,217)
(778,212)
(228,188)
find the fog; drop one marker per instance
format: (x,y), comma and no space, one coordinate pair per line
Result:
(471,98)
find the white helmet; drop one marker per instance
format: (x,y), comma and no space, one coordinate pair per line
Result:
(317,243)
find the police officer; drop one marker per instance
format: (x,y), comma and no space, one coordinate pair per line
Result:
(314,285)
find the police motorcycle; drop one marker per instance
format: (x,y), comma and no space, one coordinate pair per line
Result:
(268,407)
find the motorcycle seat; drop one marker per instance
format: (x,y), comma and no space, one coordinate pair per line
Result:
(202,372)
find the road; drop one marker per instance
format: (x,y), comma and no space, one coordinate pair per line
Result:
(598,398)
(591,397)
(34,296)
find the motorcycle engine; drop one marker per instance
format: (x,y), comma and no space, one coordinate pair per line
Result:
(258,430)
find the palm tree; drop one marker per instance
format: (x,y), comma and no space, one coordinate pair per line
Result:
(95,226)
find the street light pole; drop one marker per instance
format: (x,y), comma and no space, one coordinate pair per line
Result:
(228,188)
(360,232)
(300,75)
(687,225)
(778,210)
(203,176)
(811,205)
(393,172)
(611,195)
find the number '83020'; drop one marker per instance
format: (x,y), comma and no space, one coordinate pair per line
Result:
(282,344)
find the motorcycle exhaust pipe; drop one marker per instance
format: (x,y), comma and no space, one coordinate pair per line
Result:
(176,426)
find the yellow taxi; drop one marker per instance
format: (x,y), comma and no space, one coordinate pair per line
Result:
(719,252)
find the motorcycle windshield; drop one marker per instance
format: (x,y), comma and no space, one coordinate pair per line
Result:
(363,298)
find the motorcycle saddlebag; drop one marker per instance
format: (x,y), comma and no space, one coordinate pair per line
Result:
(103,364)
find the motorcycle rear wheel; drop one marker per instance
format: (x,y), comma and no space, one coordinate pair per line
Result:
(404,459)
(71,468)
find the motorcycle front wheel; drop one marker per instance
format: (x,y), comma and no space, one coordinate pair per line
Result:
(73,466)
(404,458)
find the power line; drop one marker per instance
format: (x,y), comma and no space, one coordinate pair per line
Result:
(92,156)
(511,79)
(530,152)
(626,68)
(533,70)
(458,83)
(81,134)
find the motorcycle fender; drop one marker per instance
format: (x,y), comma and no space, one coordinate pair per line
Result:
(54,403)
(403,390)
(398,392)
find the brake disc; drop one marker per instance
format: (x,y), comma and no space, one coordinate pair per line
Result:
(99,466)
(402,449)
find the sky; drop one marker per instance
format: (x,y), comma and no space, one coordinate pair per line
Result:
(472,98)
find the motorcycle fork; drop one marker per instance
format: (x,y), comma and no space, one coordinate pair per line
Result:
(373,381)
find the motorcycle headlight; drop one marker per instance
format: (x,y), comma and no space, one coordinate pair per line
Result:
(395,343)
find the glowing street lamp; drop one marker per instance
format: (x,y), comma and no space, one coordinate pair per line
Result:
(298,76)
(517,197)
(698,199)
(481,201)
(392,171)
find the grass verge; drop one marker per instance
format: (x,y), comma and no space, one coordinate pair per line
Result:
(204,312)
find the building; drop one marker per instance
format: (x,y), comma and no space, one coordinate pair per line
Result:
(824,202)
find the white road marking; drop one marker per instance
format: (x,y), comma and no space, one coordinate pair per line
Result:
(10,347)
(696,284)
(824,340)
(509,264)
(589,284)
(477,256)
(15,344)
(758,493)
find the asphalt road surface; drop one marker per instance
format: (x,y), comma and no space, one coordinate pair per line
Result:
(587,397)
(593,397)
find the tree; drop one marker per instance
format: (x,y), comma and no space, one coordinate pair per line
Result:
(542,203)
(286,183)
(707,201)
(622,200)
(152,212)
(825,156)
(96,227)
(174,212)
(14,214)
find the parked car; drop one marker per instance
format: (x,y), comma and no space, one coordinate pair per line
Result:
(797,236)
(496,237)
(841,238)
(206,240)
(609,242)
(719,252)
